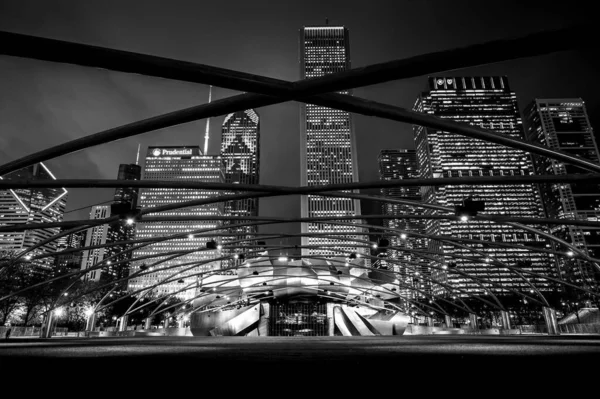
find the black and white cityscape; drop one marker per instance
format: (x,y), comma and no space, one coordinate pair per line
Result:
(165,183)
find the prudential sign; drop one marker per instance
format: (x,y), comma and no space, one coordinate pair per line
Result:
(163,152)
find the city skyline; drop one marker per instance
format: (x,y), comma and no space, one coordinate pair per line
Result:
(138,95)
(419,256)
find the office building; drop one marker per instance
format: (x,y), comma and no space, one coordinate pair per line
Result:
(178,164)
(327,145)
(400,164)
(112,236)
(32,205)
(489,103)
(128,194)
(564,125)
(240,145)
(71,260)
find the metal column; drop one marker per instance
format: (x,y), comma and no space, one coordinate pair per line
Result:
(505,319)
(430,322)
(473,320)
(148,323)
(123,323)
(448,321)
(330,321)
(91,322)
(46,330)
(551,322)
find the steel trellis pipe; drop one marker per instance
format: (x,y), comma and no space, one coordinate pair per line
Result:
(331,100)
(534,44)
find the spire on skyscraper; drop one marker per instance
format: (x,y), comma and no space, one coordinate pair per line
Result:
(207,123)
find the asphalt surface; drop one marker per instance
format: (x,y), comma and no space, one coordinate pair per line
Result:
(413,362)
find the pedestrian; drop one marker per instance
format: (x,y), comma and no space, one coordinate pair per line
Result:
(8,330)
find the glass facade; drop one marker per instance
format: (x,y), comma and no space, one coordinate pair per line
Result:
(70,261)
(240,144)
(36,205)
(489,103)
(396,164)
(107,234)
(187,164)
(563,124)
(128,194)
(327,143)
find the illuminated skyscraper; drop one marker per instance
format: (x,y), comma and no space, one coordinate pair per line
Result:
(177,164)
(563,124)
(71,261)
(112,233)
(128,194)
(327,141)
(489,103)
(95,236)
(25,206)
(240,144)
(397,164)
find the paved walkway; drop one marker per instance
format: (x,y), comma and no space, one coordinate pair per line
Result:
(282,360)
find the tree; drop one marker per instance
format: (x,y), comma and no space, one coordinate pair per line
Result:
(13,274)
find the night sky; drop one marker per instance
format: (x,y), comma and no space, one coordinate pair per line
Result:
(43,104)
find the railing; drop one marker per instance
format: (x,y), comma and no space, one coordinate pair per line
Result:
(32,331)
(579,328)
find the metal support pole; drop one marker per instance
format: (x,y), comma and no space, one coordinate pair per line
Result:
(473,320)
(123,323)
(46,330)
(551,322)
(91,322)
(148,323)
(505,319)
(430,322)
(448,321)
(330,321)
(181,323)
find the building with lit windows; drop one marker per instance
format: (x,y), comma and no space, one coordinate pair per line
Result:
(489,103)
(71,260)
(398,164)
(240,145)
(327,143)
(95,236)
(563,124)
(35,205)
(128,194)
(177,164)
(117,266)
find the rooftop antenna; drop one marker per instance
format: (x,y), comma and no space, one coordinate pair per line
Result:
(137,158)
(207,123)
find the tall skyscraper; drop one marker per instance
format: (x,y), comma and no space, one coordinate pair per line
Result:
(186,164)
(95,236)
(489,103)
(398,164)
(327,142)
(111,233)
(240,145)
(70,261)
(563,124)
(122,232)
(128,194)
(36,205)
